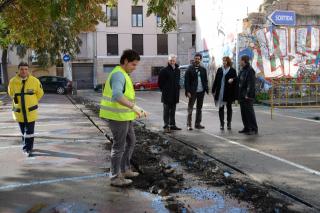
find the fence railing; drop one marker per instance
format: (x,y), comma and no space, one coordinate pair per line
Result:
(294,95)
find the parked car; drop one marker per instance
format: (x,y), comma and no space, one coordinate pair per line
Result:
(56,84)
(151,84)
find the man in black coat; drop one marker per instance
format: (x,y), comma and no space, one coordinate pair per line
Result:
(169,84)
(247,87)
(196,84)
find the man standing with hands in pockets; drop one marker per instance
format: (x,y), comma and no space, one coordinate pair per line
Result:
(118,107)
(196,84)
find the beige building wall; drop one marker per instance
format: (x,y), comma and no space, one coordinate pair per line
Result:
(34,70)
(125,30)
(186,28)
(14,60)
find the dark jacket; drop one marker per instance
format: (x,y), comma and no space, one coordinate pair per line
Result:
(191,79)
(169,84)
(247,83)
(230,90)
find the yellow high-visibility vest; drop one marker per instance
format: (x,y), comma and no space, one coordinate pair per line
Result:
(112,110)
(25,102)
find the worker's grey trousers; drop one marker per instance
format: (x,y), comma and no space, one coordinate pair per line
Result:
(124,140)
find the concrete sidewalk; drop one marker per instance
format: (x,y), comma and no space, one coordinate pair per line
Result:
(70,167)
(285,154)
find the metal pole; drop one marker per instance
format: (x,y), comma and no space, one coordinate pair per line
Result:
(237,52)
(271,98)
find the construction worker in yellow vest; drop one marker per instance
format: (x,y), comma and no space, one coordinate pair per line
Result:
(118,107)
(25,91)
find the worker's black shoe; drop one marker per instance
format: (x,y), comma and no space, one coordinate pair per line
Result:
(244,131)
(175,128)
(199,126)
(252,132)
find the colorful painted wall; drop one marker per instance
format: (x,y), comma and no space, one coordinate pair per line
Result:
(291,52)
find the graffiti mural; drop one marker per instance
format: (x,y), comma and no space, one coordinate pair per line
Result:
(278,52)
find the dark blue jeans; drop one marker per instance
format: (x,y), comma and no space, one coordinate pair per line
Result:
(27,131)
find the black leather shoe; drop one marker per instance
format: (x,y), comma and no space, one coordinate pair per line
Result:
(30,154)
(199,126)
(252,132)
(221,127)
(175,128)
(229,126)
(244,131)
(165,126)
(189,128)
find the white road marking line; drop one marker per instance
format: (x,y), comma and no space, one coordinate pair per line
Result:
(43,125)
(19,185)
(288,116)
(10,147)
(71,140)
(38,144)
(142,99)
(312,171)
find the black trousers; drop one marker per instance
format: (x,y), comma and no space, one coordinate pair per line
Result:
(27,131)
(248,115)
(199,96)
(229,113)
(169,113)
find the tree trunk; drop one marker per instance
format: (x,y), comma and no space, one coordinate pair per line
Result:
(4,59)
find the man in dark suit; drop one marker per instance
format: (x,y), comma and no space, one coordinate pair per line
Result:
(169,84)
(196,84)
(247,88)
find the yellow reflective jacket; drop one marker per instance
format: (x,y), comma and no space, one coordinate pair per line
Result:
(112,110)
(25,103)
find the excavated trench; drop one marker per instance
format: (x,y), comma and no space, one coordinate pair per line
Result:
(184,180)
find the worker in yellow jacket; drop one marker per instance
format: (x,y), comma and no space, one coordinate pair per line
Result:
(119,108)
(25,91)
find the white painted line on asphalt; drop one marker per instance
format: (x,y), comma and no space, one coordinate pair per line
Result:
(38,144)
(65,141)
(142,99)
(19,185)
(309,170)
(10,147)
(288,116)
(43,125)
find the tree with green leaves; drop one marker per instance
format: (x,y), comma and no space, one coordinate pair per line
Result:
(51,27)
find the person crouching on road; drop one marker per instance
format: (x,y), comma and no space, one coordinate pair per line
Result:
(25,91)
(224,90)
(169,84)
(196,84)
(118,107)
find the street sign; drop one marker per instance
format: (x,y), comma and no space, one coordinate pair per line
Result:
(283,17)
(66,58)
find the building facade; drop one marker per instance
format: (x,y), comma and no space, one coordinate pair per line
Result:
(127,27)
(101,50)
(186,25)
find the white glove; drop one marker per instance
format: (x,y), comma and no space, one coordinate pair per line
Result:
(139,111)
